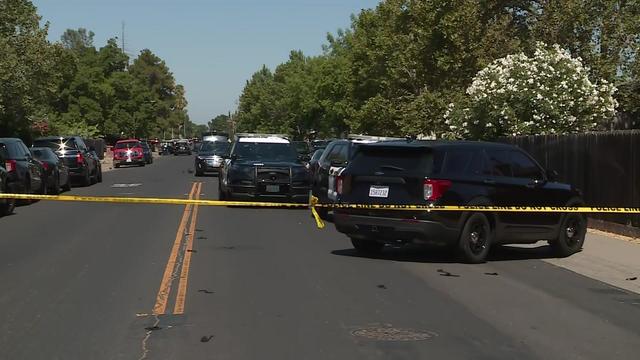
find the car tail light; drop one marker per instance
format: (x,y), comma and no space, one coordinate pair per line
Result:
(80,159)
(343,184)
(45,166)
(434,189)
(10,165)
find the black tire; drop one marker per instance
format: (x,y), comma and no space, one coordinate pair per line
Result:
(116,166)
(55,189)
(573,231)
(43,186)
(199,172)
(86,179)
(94,177)
(475,239)
(100,174)
(7,205)
(366,246)
(67,186)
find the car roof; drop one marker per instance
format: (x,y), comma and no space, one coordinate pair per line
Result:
(8,140)
(268,140)
(440,144)
(127,140)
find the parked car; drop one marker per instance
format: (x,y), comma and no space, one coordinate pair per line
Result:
(166,148)
(313,162)
(128,152)
(98,164)
(263,166)
(6,205)
(303,148)
(57,173)
(25,173)
(332,161)
(182,147)
(454,173)
(210,157)
(75,154)
(146,151)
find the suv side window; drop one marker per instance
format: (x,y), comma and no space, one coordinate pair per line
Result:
(463,161)
(338,153)
(25,150)
(524,167)
(499,163)
(80,144)
(324,159)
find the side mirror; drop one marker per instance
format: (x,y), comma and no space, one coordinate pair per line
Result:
(552,175)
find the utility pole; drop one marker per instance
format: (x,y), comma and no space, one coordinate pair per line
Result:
(123,51)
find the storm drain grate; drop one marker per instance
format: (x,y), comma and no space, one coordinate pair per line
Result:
(392,334)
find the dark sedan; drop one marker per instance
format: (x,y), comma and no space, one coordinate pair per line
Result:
(25,174)
(56,172)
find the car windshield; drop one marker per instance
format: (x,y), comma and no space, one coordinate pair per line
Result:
(127,145)
(265,151)
(215,147)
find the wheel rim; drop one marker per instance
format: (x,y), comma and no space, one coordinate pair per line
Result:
(572,231)
(477,237)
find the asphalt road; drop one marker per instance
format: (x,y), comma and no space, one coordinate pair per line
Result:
(83,281)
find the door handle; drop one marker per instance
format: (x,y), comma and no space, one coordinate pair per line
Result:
(489,181)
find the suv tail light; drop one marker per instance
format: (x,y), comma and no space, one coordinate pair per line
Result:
(10,165)
(434,189)
(45,166)
(343,184)
(80,159)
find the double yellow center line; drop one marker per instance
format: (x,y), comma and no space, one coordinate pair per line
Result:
(178,251)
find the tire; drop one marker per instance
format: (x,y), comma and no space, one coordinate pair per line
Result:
(94,178)
(366,246)
(475,239)
(7,205)
(573,230)
(142,164)
(117,166)
(55,190)
(43,186)
(222,196)
(199,172)
(86,179)
(100,174)
(67,186)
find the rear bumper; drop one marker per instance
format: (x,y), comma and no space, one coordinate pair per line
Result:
(392,230)
(134,161)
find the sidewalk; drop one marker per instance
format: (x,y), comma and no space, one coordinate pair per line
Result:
(606,258)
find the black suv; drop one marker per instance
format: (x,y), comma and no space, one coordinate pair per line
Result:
(454,173)
(332,161)
(25,174)
(76,155)
(263,168)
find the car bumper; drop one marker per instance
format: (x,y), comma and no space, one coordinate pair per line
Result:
(289,193)
(393,230)
(133,161)
(205,168)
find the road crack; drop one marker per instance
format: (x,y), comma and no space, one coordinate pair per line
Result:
(145,340)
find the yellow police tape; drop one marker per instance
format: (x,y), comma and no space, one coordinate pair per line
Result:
(313,205)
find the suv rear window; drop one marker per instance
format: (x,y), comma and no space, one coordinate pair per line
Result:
(371,159)
(57,144)
(44,154)
(259,151)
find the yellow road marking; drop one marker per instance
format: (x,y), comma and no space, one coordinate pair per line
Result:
(165,285)
(186,262)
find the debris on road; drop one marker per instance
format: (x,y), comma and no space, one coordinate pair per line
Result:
(205,339)
(446,273)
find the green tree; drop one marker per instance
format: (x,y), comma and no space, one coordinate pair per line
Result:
(77,40)
(219,123)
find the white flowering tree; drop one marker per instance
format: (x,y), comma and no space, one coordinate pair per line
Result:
(547,93)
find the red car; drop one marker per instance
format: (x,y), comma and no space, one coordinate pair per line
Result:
(128,152)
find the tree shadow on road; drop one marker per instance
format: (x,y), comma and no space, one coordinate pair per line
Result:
(410,253)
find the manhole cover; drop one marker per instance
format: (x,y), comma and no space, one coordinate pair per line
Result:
(392,334)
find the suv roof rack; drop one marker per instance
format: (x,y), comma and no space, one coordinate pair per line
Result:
(359,137)
(241,135)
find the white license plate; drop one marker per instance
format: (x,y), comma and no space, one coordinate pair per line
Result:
(379,191)
(273,188)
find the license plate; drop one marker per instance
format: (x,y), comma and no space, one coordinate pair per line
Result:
(273,188)
(379,191)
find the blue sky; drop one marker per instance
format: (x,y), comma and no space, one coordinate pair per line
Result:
(211,46)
